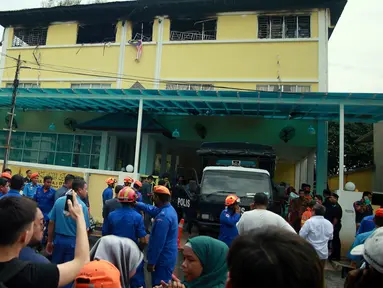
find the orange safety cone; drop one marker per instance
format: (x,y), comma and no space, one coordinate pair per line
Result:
(180,231)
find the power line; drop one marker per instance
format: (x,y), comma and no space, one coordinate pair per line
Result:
(8,67)
(116,75)
(129,79)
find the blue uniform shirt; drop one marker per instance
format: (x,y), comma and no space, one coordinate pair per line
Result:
(45,200)
(107,194)
(228,228)
(30,189)
(125,222)
(360,239)
(65,225)
(12,193)
(28,254)
(366,225)
(162,250)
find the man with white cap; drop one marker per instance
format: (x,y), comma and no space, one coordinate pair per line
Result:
(372,252)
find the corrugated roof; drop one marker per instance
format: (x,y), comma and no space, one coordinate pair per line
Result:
(359,107)
(147,10)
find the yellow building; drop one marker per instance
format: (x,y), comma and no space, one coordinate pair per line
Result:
(198,45)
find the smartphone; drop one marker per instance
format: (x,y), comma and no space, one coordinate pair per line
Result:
(69,196)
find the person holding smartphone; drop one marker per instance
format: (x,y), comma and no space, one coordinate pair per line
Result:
(62,229)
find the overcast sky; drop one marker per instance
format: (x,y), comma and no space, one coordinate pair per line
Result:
(354,49)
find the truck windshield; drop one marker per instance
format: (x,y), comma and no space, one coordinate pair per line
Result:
(238,182)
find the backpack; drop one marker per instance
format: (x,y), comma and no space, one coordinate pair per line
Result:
(11,270)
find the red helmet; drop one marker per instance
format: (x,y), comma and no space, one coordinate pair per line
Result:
(161,190)
(6,175)
(231,200)
(110,181)
(127,195)
(138,183)
(128,180)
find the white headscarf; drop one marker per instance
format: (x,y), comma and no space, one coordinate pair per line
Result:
(121,252)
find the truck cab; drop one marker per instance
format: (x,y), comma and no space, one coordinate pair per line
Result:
(219,182)
(243,169)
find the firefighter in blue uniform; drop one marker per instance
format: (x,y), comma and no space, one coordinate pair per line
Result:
(128,181)
(62,229)
(162,250)
(45,198)
(127,222)
(228,220)
(31,187)
(137,187)
(108,192)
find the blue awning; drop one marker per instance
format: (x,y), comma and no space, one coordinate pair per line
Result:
(359,107)
(123,122)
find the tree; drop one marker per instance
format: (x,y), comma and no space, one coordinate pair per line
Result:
(54,3)
(356,155)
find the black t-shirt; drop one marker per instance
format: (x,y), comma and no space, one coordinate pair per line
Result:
(34,275)
(333,211)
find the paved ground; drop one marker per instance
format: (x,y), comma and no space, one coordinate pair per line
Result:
(332,273)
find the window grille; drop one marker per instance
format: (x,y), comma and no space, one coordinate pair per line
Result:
(30,37)
(197,87)
(284,88)
(91,86)
(281,27)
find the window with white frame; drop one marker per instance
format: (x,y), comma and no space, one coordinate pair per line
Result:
(24,85)
(54,149)
(284,88)
(91,86)
(197,87)
(284,27)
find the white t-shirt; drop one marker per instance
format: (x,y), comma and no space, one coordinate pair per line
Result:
(260,218)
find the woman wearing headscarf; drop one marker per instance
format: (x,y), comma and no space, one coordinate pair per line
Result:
(121,252)
(204,264)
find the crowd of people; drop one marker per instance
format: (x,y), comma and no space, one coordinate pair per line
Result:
(140,231)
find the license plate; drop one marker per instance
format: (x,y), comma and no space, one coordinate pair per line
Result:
(205,216)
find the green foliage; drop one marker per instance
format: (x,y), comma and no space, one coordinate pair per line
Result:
(356,155)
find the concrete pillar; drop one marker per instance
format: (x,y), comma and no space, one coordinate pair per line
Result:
(378,156)
(104,152)
(303,172)
(148,154)
(112,153)
(297,182)
(310,169)
(173,163)
(164,158)
(322,157)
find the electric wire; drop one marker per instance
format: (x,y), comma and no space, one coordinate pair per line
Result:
(126,78)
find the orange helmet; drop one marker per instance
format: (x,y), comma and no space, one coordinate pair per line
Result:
(110,181)
(128,180)
(138,183)
(6,176)
(231,200)
(127,195)
(161,190)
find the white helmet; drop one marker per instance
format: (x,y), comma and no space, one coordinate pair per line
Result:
(349,186)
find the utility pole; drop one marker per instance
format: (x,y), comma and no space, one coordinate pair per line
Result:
(12,113)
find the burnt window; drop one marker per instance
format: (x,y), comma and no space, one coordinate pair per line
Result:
(36,36)
(281,27)
(142,31)
(193,30)
(96,33)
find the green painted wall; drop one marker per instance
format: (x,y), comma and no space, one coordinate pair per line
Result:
(33,121)
(255,130)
